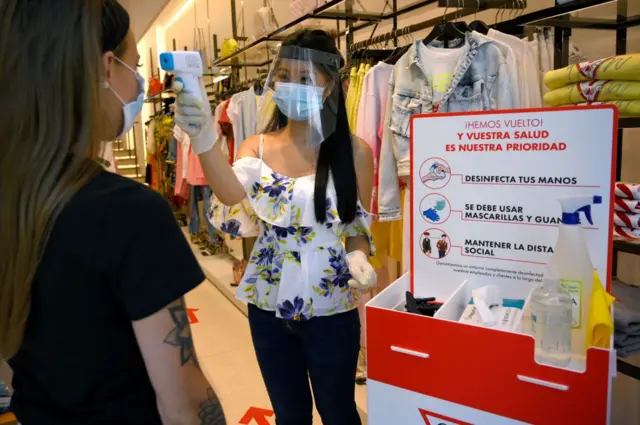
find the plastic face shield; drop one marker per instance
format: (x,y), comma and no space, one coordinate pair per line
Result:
(302,91)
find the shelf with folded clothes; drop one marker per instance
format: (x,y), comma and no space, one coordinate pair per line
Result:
(627,328)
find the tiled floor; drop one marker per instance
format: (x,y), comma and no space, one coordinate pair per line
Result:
(223,343)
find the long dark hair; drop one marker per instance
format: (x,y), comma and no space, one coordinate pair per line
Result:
(336,152)
(49,132)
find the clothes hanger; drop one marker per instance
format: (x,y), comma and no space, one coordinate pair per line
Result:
(461,24)
(444,31)
(478,25)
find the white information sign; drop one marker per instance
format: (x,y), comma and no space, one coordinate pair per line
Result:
(485,189)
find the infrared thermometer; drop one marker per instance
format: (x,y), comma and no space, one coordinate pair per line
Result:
(188,68)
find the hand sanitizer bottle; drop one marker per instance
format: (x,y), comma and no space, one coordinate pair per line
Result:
(573,263)
(551,320)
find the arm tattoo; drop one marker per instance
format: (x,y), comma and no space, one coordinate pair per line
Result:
(211,412)
(180,336)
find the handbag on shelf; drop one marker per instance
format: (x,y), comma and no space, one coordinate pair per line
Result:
(155,86)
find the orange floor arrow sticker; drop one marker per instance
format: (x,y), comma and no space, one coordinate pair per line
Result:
(257,416)
(431,418)
(193,319)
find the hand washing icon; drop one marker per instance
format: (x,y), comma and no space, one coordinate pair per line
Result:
(435,173)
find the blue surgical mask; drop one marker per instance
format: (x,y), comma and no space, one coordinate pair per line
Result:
(298,102)
(130,110)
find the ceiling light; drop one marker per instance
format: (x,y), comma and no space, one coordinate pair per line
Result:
(180,12)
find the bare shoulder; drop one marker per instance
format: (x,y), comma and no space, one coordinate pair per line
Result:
(361,150)
(250,147)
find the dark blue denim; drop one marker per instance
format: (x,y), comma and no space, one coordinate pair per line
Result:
(172,155)
(323,350)
(201,193)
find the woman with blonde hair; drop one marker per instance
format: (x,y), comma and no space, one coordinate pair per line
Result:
(92,318)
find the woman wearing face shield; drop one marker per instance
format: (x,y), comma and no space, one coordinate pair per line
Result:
(300,186)
(92,316)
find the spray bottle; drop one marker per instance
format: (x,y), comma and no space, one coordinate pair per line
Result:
(573,264)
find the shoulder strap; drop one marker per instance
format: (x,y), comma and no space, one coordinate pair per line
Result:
(261,147)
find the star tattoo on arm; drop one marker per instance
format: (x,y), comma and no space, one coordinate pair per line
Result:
(180,335)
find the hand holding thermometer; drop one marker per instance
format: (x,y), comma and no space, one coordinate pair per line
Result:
(193,114)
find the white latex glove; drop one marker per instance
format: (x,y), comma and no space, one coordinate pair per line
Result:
(364,276)
(194,117)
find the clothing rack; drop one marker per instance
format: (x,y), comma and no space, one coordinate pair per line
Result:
(513,26)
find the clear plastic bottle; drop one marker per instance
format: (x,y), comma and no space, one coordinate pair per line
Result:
(551,321)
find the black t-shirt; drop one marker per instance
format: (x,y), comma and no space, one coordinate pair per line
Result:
(116,255)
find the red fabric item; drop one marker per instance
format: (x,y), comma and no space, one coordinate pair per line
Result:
(227,130)
(154,172)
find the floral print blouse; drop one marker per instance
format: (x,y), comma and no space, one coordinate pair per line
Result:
(298,267)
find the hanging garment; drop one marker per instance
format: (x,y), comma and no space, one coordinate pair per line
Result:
(364,69)
(151,137)
(624,68)
(195,173)
(480,82)
(298,267)
(227,130)
(353,83)
(514,74)
(525,68)
(242,111)
(548,38)
(182,187)
(406,232)
(593,91)
(373,104)
(201,194)
(543,56)
(535,48)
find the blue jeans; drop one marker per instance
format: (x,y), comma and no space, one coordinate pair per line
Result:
(201,193)
(172,154)
(324,350)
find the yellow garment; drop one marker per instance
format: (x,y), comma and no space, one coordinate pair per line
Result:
(355,89)
(387,237)
(627,108)
(381,233)
(593,91)
(599,322)
(625,68)
(396,241)
(353,82)
(356,108)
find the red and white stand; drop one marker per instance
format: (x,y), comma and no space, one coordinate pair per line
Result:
(485,189)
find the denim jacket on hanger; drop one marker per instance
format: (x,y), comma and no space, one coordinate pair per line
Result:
(480,82)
